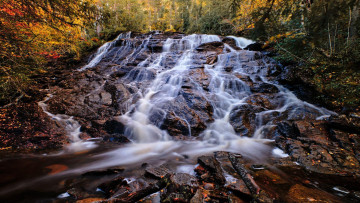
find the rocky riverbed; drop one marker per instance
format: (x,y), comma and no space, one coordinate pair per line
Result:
(189,118)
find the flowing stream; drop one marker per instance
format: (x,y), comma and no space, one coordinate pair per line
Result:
(164,84)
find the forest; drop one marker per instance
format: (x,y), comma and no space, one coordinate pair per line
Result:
(317,36)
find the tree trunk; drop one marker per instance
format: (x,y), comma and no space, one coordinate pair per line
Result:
(354,19)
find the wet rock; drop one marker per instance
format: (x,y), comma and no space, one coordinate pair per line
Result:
(299,193)
(215,196)
(156,45)
(213,170)
(98,123)
(271,182)
(56,168)
(287,129)
(246,177)
(78,194)
(181,189)
(198,197)
(342,138)
(104,172)
(90,200)
(261,100)
(314,130)
(88,130)
(298,81)
(187,108)
(137,190)
(231,42)
(141,74)
(209,186)
(228,69)
(114,127)
(345,123)
(84,136)
(245,78)
(123,94)
(346,160)
(264,88)
(116,138)
(242,118)
(255,47)
(112,186)
(211,60)
(274,71)
(157,172)
(200,76)
(323,158)
(264,197)
(211,46)
(343,191)
(239,188)
(235,198)
(356,194)
(175,125)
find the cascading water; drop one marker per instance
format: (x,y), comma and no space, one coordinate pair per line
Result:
(163,86)
(103,50)
(159,85)
(177,98)
(72,129)
(242,42)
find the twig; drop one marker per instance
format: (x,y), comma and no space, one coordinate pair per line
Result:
(336,27)
(13,103)
(329,38)
(347,39)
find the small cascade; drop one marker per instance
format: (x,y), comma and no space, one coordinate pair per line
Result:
(72,129)
(103,50)
(242,42)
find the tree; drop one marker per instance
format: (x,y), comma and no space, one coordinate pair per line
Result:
(34,32)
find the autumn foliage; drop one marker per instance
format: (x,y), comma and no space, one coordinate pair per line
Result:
(32,33)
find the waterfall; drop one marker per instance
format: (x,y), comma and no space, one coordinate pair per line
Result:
(164,87)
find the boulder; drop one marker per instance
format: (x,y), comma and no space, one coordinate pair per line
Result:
(211,46)
(257,46)
(242,118)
